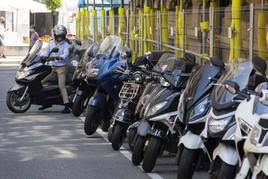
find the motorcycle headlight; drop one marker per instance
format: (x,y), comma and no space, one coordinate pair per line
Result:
(22,74)
(243,125)
(200,108)
(137,77)
(254,136)
(216,126)
(164,83)
(156,108)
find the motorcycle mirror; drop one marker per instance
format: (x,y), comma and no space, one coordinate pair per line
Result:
(259,64)
(217,62)
(232,87)
(55,50)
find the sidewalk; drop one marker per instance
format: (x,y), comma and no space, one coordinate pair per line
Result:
(11,60)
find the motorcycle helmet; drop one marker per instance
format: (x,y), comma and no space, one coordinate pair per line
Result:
(59,32)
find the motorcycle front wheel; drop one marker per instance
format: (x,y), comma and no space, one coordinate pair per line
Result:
(78,105)
(151,154)
(186,165)
(118,136)
(92,120)
(225,171)
(15,104)
(137,154)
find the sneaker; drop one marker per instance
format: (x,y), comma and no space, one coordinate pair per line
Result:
(44,107)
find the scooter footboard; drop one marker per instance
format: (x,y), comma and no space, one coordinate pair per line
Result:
(227,154)
(191,141)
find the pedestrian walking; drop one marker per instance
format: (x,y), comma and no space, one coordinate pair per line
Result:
(2,36)
(34,36)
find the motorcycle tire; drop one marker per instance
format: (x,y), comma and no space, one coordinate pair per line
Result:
(186,165)
(151,154)
(78,105)
(92,120)
(118,136)
(225,171)
(137,154)
(131,137)
(12,107)
(110,133)
(262,176)
(105,125)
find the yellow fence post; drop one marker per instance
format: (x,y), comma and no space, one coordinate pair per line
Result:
(122,23)
(146,28)
(82,22)
(102,23)
(262,19)
(86,25)
(178,31)
(164,16)
(235,41)
(140,32)
(95,25)
(132,35)
(111,22)
(152,28)
(78,25)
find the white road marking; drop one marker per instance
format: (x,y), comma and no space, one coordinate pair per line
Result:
(125,152)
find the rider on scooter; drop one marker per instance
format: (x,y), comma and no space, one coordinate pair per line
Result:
(59,64)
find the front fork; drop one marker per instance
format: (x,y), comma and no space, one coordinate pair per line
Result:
(24,94)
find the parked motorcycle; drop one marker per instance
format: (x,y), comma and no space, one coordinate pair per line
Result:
(218,135)
(251,111)
(193,110)
(29,89)
(84,86)
(124,115)
(157,130)
(108,72)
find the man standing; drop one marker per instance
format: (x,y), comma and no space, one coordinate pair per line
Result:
(34,37)
(2,36)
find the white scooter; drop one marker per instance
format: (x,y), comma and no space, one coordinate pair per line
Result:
(251,136)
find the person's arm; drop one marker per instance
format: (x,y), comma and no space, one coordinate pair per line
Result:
(66,52)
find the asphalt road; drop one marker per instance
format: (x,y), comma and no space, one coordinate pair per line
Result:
(51,145)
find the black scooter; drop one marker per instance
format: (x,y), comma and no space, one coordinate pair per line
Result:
(193,110)
(124,114)
(29,89)
(156,131)
(84,86)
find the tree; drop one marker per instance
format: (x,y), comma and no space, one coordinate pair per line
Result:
(52,5)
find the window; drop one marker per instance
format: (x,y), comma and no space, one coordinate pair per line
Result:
(9,17)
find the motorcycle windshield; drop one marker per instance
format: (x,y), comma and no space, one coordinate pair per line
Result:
(239,73)
(110,45)
(199,83)
(37,47)
(167,62)
(261,106)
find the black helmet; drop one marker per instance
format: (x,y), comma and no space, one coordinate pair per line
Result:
(59,31)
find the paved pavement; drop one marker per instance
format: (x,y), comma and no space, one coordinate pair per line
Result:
(51,145)
(11,61)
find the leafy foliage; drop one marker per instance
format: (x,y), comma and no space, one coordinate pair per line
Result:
(52,5)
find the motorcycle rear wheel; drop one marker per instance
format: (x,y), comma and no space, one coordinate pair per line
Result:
(92,120)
